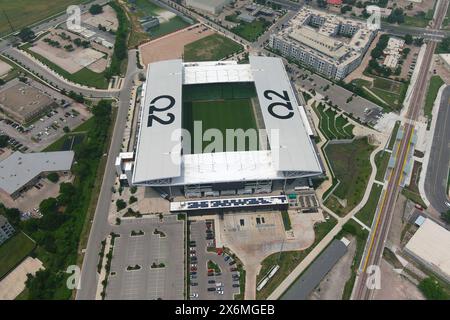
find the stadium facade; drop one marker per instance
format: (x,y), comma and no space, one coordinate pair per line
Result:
(161,157)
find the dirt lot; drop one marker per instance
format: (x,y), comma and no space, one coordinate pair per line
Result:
(72,61)
(332,286)
(395,286)
(107,18)
(14,283)
(4,68)
(171,46)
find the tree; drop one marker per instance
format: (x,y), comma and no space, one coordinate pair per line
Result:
(120,204)
(3,141)
(26,34)
(446,216)
(95,9)
(408,39)
(48,206)
(133,199)
(432,290)
(418,42)
(53,177)
(66,129)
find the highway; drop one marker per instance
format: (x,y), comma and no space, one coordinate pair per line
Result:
(377,238)
(438,165)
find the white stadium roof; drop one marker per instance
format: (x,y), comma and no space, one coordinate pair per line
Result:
(157,153)
(158,158)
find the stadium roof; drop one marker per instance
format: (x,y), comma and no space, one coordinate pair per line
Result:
(296,151)
(214,72)
(158,152)
(227,166)
(19,168)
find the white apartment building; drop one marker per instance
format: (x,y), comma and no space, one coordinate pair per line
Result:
(331,45)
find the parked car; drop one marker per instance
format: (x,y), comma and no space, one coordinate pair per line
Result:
(233,269)
(236,285)
(232,263)
(193,268)
(211,281)
(194,284)
(211,289)
(194,295)
(226,258)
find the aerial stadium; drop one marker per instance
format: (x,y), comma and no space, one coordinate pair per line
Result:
(182,103)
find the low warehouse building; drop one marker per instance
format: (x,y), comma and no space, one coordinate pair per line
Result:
(430,245)
(20,171)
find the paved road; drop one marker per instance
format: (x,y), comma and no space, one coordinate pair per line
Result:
(437,173)
(375,245)
(52,78)
(100,227)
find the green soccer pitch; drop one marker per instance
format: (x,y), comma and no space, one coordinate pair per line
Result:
(207,104)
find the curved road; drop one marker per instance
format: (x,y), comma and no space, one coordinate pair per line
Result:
(438,165)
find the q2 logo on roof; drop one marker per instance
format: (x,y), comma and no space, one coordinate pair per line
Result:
(164,119)
(284,110)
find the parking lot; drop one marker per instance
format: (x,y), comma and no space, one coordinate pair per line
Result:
(45,130)
(213,275)
(360,108)
(155,250)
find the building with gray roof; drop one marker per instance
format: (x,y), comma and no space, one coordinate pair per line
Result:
(20,170)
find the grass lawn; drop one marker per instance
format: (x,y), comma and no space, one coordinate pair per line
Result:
(382,161)
(66,142)
(211,48)
(392,92)
(367,212)
(221,115)
(435,83)
(351,166)
(414,197)
(288,260)
(13,251)
(394,135)
(286,220)
(22,13)
(85,126)
(84,76)
(251,31)
(174,24)
(415,21)
(352,228)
